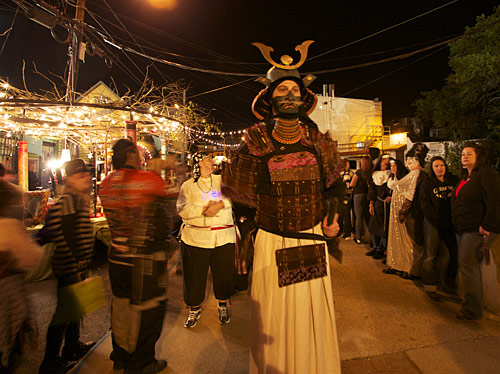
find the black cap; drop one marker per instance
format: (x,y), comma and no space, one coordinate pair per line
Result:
(75,166)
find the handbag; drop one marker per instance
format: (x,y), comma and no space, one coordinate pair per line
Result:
(302,263)
(79,299)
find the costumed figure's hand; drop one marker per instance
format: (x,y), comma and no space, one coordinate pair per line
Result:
(372,210)
(333,229)
(213,208)
(388,199)
(404,211)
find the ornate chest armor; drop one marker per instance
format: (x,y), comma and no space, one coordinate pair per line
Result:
(294,201)
(285,187)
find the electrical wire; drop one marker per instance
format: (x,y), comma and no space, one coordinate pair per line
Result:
(131,36)
(394,71)
(384,30)
(387,50)
(220,88)
(116,60)
(126,55)
(399,57)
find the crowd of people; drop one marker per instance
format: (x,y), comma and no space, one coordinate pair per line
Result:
(281,201)
(430,226)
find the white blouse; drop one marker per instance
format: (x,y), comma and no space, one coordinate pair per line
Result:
(199,230)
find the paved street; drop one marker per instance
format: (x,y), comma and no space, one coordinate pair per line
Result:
(385,325)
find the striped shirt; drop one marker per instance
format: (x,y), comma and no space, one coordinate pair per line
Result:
(72,232)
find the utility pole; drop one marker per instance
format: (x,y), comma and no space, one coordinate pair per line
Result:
(184,140)
(74,51)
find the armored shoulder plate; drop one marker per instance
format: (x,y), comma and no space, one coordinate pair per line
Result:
(258,141)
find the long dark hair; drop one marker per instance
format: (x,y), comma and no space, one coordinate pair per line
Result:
(401,169)
(481,158)
(431,171)
(366,168)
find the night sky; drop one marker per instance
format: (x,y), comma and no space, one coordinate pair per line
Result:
(217,35)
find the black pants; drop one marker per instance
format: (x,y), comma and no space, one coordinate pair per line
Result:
(345,219)
(433,240)
(69,331)
(195,264)
(151,322)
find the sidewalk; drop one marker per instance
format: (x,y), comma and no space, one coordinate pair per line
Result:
(385,325)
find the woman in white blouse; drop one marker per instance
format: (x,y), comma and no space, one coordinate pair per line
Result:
(208,235)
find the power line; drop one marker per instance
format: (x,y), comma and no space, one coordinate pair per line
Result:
(131,36)
(117,61)
(175,38)
(392,72)
(126,55)
(384,30)
(220,88)
(398,57)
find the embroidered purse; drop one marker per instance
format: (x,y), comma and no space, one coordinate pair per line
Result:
(299,264)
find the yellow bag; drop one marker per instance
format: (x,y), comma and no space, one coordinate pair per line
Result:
(79,299)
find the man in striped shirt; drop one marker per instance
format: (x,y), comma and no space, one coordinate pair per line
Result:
(71,231)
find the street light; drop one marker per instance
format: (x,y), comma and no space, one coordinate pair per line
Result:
(163,4)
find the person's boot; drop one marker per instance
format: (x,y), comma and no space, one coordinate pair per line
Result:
(76,351)
(379,255)
(154,367)
(371,253)
(55,365)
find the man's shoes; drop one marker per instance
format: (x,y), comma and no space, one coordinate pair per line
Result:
(348,237)
(224,316)
(390,271)
(410,276)
(433,296)
(379,255)
(57,365)
(357,241)
(371,253)
(76,351)
(193,317)
(154,367)
(466,316)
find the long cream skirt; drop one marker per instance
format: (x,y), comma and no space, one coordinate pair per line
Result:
(292,328)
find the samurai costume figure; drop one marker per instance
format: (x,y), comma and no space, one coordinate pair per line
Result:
(285,170)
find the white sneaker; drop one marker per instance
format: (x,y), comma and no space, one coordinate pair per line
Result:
(224,316)
(193,317)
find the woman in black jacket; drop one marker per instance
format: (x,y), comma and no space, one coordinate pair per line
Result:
(435,198)
(476,217)
(379,207)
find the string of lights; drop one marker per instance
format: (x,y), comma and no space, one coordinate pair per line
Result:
(216,143)
(215,133)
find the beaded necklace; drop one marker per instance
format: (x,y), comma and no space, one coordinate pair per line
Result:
(209,187)
(287,132)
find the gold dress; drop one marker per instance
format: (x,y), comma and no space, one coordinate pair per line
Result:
(401,248)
